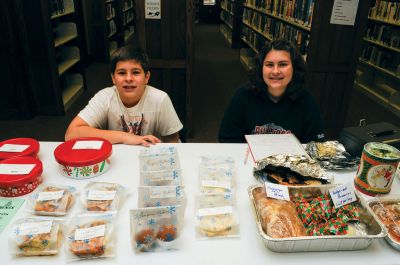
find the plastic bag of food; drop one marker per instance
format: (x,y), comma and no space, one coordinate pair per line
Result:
(102,196)
(156,228)
(158,159)
(171,177)
(52,200)
(35,236)
(155,196)
(216,180)
(90,236)
(224,162)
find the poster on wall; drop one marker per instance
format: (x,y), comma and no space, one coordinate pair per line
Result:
(152,9)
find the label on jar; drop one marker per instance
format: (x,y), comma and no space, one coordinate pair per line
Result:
(16,169)
(101,195)
(17,148)
(87,145)
(35,228)
(90,232)
(50,195)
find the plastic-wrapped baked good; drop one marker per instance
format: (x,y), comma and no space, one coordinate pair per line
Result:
(52,200)
(102,196)
(35,237)
(154,196)
(159,159)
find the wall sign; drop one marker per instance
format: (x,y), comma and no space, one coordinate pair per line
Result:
(152,9)
(344,12)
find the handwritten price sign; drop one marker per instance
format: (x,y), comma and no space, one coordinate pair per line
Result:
(276,191)
(342,195)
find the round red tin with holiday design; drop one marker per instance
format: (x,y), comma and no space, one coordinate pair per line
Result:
(19,147)
(14,182)
(84,157)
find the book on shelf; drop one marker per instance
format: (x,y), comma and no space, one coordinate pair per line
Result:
(386,11)
(56,7)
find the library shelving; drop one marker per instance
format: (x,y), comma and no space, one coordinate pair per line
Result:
(56,52)
(128,21)
(330,50)
(378,72)
(231,15)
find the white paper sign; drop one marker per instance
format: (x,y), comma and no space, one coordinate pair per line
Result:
(91,232)
(35,228)
(101,195)
(342,195)
(215,211)
(50,195)
(344,12)
(152,9)
(17,148)
(16,169)
(277,191)
(87,145)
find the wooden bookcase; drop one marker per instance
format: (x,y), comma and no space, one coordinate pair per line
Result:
(56,51)
(331,51)
(169,43)
(231,16)
(127,29)
(378,72)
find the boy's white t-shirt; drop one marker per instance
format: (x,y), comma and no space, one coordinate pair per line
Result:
(154,114)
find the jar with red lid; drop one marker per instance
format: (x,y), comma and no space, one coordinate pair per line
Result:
(84,157)
(19,147)
(19,175)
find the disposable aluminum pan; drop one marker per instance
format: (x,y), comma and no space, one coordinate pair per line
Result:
(370,202)
(320,243)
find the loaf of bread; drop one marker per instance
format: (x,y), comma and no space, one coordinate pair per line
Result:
(279,218)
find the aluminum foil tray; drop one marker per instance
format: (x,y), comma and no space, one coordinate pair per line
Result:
(395,244)
(320,243)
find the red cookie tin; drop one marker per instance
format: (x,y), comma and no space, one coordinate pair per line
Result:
(13,185)
(32,150)
(83,163)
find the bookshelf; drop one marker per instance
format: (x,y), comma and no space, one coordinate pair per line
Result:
(128,21)
(55,41)
(231,16)
(378,71)
(330,50)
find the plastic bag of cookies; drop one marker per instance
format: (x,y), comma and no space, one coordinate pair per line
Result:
(102,196)
(158,159)
(216,216)
(216,179)
(170,177)
(154,196)
(156,228)
(51,200)
(224,162)
(90,236)
(35,236)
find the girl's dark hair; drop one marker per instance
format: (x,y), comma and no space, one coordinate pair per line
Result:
(256,81)
(126,53)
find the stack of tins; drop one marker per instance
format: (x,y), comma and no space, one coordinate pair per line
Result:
(14,154)
(84,157)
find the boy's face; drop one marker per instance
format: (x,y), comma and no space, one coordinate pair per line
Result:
(130,80)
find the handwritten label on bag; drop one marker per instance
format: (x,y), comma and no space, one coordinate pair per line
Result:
(91,232)
(277,191)
(17,148)
(342,195)
(101,195)
(215,211)
(87,145)
(163,192)
(216,184)
(50,195)
(35,228)
(16,169)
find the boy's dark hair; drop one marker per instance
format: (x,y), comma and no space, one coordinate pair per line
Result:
(126,53)
(256,81)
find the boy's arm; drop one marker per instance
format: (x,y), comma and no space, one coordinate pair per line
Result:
(80,128)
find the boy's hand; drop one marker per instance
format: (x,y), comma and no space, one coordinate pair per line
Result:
(145,140)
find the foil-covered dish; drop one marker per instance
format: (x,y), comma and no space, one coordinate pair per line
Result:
(292,170)
(310,222)
(332,155)
(387,211)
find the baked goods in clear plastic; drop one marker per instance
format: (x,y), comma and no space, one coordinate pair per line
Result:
(52,200)
(154,196)
(102,196)
(159,159)
(170,177)
(90,236)
(216,216)
(216,179)
(156,228)
(35,237)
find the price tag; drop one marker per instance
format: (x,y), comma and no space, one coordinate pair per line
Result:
(91,232)
(16,169)
(277,191)
(50,195)
(35,228)
(87,145)
(215,211)
(17,148)
(342,195)
(101,195)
